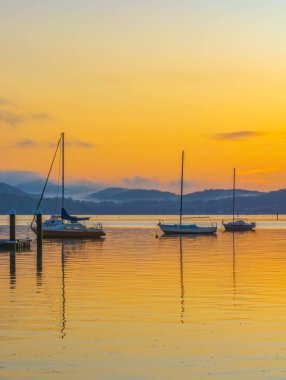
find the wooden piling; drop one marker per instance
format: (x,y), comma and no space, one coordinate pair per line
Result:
(12,269)
(12,227)
(39,217)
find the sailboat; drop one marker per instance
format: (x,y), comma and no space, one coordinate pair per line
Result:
(237,225)
(66,225)
(181,228)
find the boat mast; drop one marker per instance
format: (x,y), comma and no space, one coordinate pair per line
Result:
(233,196)
(63,168)
(182,186)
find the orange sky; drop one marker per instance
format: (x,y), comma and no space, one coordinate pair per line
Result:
(133,84)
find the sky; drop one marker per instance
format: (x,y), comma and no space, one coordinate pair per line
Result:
(133,83)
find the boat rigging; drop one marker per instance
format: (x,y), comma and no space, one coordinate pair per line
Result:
(65,225)
(181,228)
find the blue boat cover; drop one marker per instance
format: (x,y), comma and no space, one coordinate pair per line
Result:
(66,216)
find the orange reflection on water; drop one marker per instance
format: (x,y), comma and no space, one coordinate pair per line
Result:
(132,306)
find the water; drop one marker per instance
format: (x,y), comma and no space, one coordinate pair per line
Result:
(135,307)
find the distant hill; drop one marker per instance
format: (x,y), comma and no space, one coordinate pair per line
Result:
(78,190)
(210,194)
(119,194)
(36,187)
(9,189)
(140,201)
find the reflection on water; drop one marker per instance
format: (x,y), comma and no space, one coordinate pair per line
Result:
(182,281)
(69,247)
(39,267)
(233,267)
(135,307)
(63,294)
(12,270)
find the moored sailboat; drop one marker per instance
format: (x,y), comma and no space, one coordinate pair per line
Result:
(180,228)
(66,225)
(237,225)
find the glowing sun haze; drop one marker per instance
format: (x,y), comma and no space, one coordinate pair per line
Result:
(132,83)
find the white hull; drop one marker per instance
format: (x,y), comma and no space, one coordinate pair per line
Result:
(187,229)
(56,228)
(62,233)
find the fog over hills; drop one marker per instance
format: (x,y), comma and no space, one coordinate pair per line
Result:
(140,201)
(119,194)
(77,190)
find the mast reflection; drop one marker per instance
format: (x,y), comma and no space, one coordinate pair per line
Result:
(173,240)
(12,269)
(182,281)
(233,269)
(68,249)
(63,326)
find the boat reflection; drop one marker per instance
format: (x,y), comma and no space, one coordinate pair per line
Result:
(182,281)
(70,249)
(187,236)
(180,238)
(63,326)
(233,269)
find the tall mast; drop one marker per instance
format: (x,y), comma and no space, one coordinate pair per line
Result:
(182,188)
(233,196)
(63,168)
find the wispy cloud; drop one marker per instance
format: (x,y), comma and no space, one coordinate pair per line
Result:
(153,183)
(29,143)
(139,181)
(238,135)
(5,101)
(25,143)
(40,116)
(13,177)
(261,171)
(13,119)
(80,144)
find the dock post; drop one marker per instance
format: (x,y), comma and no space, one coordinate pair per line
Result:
(39,246)
(12,216)
(39,231)
(12,269)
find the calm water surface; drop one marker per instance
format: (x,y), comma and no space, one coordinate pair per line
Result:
(135,307)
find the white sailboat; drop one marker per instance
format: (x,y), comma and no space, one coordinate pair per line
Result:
(237,225)
(65,225)
(181,228)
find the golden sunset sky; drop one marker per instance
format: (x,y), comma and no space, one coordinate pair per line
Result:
(132,83)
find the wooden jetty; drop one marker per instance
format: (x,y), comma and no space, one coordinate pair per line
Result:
(16,245)
(13,244)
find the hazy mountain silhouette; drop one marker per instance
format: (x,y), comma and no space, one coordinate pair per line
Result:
(140,201)
(119,194)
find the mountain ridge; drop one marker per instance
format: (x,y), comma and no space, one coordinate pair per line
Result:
(217,201)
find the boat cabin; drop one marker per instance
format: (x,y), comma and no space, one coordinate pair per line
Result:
(54,220)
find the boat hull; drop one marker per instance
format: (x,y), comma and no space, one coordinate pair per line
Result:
(61,234)
(229,227)
(176,229)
